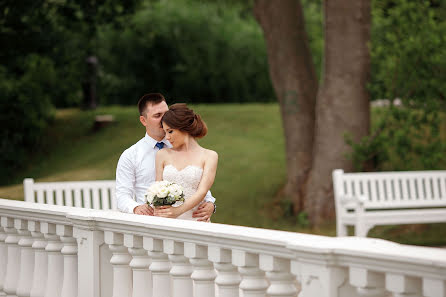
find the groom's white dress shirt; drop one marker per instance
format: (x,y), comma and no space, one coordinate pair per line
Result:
(136,172)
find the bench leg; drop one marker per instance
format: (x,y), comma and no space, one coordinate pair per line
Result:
(361,230)
(341,229)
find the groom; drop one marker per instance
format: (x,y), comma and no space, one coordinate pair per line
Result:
(136,166)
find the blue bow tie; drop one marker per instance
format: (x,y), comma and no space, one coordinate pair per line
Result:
(159,145)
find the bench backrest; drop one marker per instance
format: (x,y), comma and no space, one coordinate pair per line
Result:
(394,189)
(87,194)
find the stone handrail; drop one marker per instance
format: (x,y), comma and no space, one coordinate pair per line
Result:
(48,250)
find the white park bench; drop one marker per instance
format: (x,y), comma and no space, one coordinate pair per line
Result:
(87,194)
(365,200)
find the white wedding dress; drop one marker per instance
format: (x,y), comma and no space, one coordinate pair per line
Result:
(189,178)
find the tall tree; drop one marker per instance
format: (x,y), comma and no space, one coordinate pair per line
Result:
(342,101)
(295,83)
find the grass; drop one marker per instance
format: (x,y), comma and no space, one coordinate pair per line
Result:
(251,170)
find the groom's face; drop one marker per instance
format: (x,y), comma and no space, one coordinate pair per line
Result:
(152,119)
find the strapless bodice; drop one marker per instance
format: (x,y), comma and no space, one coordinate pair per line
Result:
(189,178)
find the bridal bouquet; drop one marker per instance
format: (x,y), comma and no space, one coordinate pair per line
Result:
(164,193)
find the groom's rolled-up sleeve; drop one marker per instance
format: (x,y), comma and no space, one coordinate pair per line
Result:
(125,183)
(209,197)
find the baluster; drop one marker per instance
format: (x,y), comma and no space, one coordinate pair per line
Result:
(160,267)
(12,267)
(26,258)
(55,260)
(3,258)
(69,254)
(181,270)
(122,274)
(434,287)
(228,278)
(40,261)
(142,278)
(253,282)
(367,283)
(203,274)
(403,286)
(279,274)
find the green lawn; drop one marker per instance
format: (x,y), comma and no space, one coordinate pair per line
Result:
(251,170)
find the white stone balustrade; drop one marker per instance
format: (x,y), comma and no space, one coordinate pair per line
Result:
(49,250)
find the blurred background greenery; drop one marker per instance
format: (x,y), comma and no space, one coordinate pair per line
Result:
(200,51)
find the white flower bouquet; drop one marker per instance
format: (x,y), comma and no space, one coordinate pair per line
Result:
(164,193)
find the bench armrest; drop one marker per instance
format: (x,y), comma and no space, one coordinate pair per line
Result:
(359,200)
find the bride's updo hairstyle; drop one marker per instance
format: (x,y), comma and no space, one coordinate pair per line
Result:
(181,117)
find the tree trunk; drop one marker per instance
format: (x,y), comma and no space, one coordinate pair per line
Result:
(342,101)
(295,84)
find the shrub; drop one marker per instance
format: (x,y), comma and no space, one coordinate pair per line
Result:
(25,111)
(188,50)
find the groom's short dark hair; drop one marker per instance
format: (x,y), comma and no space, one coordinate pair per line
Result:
(153,98)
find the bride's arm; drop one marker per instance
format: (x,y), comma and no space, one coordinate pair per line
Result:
(159,164)
(207,179)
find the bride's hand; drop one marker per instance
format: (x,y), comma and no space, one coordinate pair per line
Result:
(166,211)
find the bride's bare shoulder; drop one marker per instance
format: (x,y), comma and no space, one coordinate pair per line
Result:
(161,154)
(210,154)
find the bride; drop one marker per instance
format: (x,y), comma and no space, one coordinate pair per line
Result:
(186,163)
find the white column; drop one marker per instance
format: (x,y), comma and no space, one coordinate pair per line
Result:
(228,278)
(89,244)
(142,278)
(181,270)
(13,265)
(279,274)
(434,287)
(26,258)
(403,286)
(367,283)
(55,260)
(69,254)
(3,258)
(122,274)
(253,282)
(204,274)
(159,267)
(40,272)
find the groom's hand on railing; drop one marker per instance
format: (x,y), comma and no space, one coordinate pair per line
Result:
(143,209)
(204,212)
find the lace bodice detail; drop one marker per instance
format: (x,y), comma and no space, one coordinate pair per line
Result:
(189,178)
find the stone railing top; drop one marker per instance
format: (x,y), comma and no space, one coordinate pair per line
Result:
(306,247)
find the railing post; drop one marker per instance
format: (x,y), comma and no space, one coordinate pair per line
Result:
(434,287)
(26,258)
(13,265)
(228,278)
(160,267)
(203,275)
(3,258)
(69,253)
(367,283)
(253,282)
(40,272)
(320,277)
(279,274)
(122,274)
(403,285)
(142,278)
(89,242)
(55,260)
(181,270)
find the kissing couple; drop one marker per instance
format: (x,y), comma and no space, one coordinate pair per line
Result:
(168,151)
